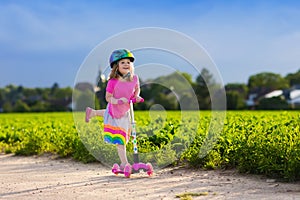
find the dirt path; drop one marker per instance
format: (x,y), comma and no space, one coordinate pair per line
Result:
(47,178)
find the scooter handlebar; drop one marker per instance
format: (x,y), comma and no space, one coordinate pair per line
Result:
(135,101)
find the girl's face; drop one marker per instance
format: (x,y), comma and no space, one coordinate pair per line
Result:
(125,66)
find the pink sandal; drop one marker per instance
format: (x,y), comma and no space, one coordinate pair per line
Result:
(88,111)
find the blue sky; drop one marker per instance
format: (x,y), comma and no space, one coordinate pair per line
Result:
(43,42)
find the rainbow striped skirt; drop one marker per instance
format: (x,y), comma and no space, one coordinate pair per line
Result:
(116,130)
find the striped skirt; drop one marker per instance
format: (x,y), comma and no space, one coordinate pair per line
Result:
(116,131)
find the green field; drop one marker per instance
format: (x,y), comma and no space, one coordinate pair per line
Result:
(260,142)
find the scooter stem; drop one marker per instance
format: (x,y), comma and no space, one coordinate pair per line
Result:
(133,130)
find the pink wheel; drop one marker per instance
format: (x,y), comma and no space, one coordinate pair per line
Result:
(150,169)
(115,169)
(127,171)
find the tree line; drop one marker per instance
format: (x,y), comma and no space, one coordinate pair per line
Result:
(21,99)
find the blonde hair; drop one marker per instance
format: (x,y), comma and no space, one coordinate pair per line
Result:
(114,73)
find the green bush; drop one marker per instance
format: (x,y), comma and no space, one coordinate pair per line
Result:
(260,142)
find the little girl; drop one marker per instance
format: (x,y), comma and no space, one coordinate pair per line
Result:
(122,86)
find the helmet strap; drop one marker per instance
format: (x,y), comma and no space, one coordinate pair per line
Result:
(125,76)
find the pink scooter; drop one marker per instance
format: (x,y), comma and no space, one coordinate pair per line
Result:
(137,165)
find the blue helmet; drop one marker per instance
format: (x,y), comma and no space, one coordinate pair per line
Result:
(120,54)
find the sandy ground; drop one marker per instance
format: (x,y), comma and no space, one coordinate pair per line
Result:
(47,178)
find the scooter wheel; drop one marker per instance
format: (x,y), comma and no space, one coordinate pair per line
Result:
(127,171)
(115,169)
(150,169)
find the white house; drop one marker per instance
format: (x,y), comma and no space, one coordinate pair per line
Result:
(274,93)
(294,96)
(250,101)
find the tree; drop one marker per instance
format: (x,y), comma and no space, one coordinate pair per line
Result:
(267,81)
(2,97)
(7,107)
(13,93)
(20,106)
(100,94)
(54,88)
(239,87)
(40,107)
(235,100)
(62,93)
(84,99)
(293,79)
(167,91)
(101,81)
(187,77)
(203,82)
(274,103)
(236,95)
(169,102)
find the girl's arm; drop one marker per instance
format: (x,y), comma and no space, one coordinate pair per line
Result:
(137,94)
(137,87)
(110,99)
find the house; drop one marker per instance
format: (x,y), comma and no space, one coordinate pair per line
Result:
(250,102)
(255,95)
(292,96)
(274,93)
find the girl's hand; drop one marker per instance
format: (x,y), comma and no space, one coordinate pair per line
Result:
(139,99)
(122,100)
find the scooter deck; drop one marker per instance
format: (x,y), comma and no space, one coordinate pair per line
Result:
(135,168)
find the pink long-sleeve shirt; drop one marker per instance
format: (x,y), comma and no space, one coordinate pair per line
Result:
(121,89)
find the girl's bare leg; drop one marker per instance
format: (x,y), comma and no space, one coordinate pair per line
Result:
(122,155)
(100,113)
(89,113)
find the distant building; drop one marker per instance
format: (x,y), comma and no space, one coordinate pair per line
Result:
(275,93)
(82,86)
(294,99)
(250,102)
(292,96)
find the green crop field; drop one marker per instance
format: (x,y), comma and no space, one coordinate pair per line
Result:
(260,142)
